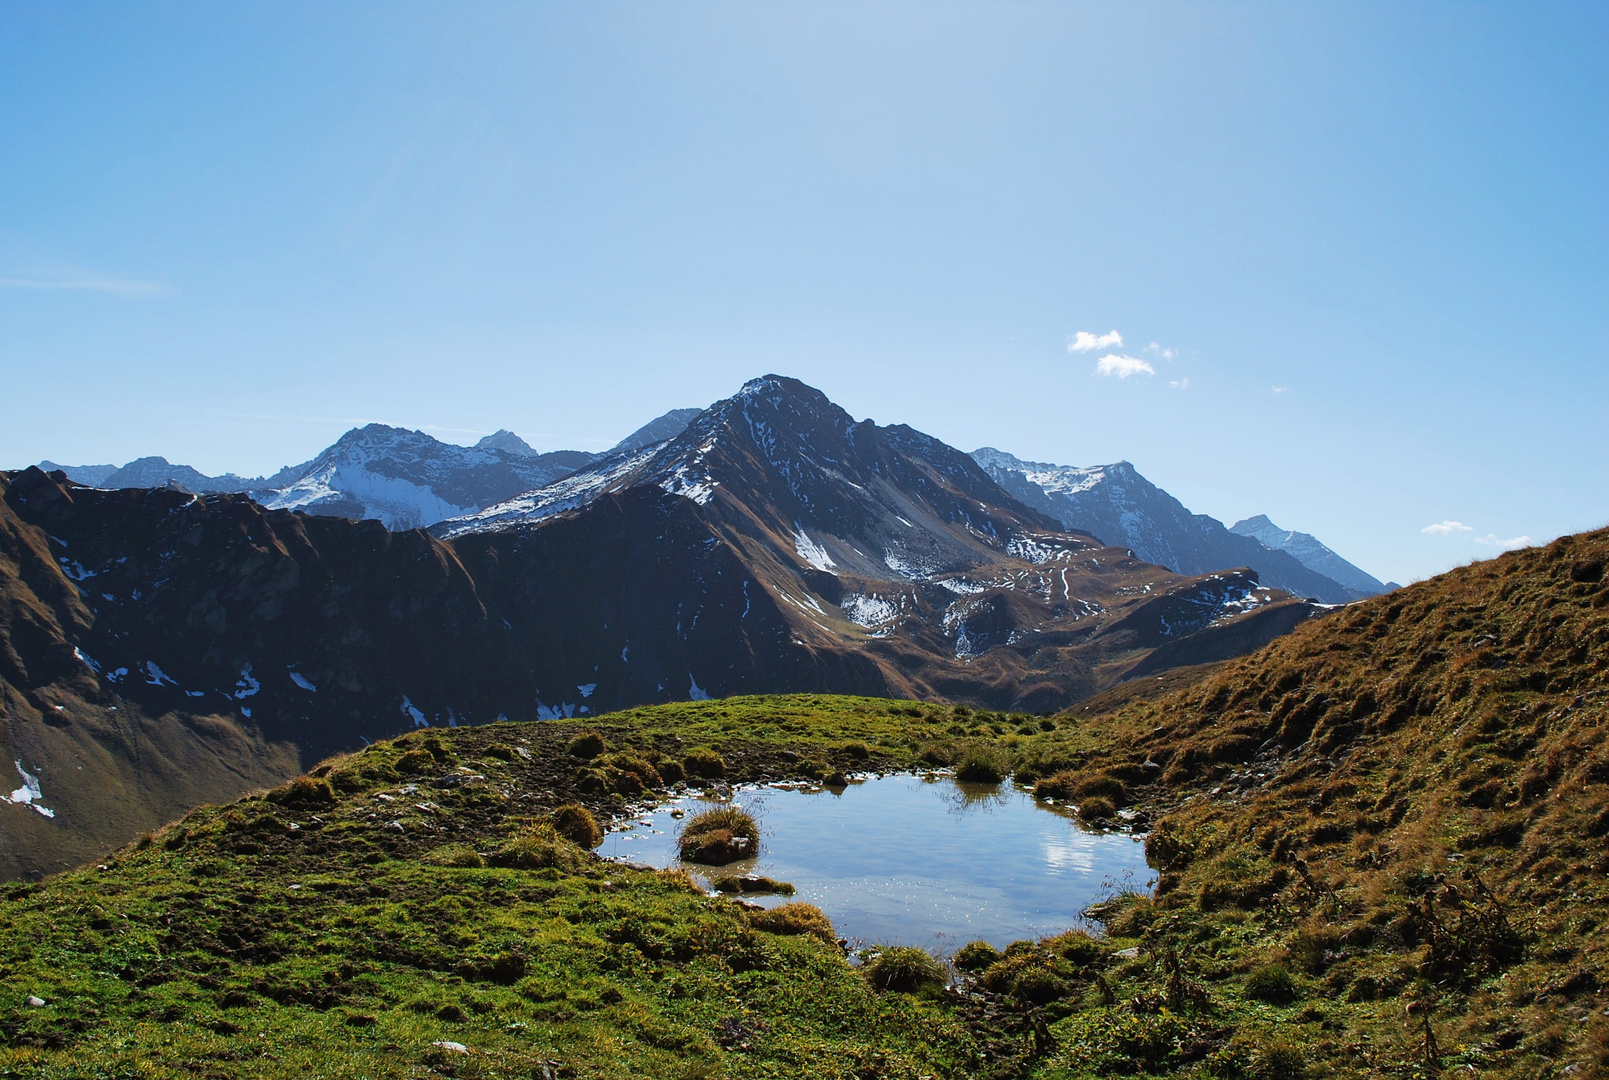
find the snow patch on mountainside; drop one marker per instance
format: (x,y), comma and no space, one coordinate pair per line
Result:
(30,793)
(567,494)
(1124,509)
(869,611)
(810,551)
(1057,479)
(396,503)
(913,568)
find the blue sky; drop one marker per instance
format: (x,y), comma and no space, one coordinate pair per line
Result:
(1361,248)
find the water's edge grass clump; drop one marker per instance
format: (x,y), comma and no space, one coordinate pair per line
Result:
(719,836)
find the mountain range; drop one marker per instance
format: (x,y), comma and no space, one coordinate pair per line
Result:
(403,479)
(175,645)
(408,479)
(1118,504)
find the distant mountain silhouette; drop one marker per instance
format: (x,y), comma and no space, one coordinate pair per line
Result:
(1117,504)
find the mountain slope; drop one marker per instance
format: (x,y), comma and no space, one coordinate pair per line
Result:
(94,766)
(657,430)
(882,547)
(1406,805)
(1307,550)
(1379,844)
(1117,504)
(150,472)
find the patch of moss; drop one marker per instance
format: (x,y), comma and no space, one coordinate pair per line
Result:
(753,884)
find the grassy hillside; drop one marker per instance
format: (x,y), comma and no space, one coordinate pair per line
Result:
(1403,807)
(1380,843)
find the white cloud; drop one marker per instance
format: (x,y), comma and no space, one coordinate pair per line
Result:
(1084,341)
(1492,540)
(1122,366)
(1156,349)
(1281,389)
(1446,528)
(1180,384)
(85,281)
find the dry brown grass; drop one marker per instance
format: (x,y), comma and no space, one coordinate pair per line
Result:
(1409,775)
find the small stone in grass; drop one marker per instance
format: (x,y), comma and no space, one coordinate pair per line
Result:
(35,1002)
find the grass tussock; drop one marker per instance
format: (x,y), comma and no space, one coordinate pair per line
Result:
(1272,983)
(586,745)
(719,836)
(304,792)
(1096,808)
(904,969)
(753,885)
(540,847)
(576,824)
(982,763)
(794,919)
(975,956)
(705,764)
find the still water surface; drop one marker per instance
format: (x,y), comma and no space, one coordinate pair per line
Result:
(914,860)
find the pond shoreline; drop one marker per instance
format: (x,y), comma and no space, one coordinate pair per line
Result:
(900,856)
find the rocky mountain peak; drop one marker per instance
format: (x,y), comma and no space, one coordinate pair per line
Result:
(780,465)
(509,443)
(1311,553)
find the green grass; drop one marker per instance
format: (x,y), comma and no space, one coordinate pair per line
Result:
(236,945)
(425,896)
(626,976)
